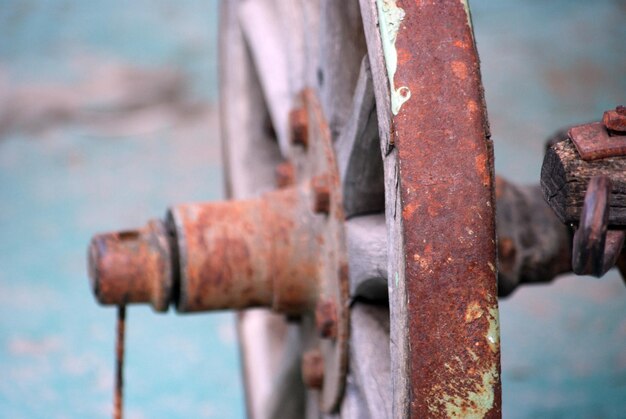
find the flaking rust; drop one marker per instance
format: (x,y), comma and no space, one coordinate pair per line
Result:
(446,186)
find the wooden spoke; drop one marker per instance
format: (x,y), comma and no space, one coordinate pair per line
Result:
(358,151)
(367,257)
(276,33)
(370,366)
(251,154)
(342,48)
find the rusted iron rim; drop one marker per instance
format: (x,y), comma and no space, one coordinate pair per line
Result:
(442,140)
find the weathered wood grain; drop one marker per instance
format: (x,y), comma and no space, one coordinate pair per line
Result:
(398,339)
(366,238)
(250,153)
(564,179)
(287,398)
(369,15)
(358,151)
(370,360)
(260,21)
(342,48)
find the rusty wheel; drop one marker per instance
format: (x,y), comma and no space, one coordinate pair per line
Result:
(376,107)
(359,241)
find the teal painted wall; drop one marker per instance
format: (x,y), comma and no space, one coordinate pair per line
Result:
(68,170)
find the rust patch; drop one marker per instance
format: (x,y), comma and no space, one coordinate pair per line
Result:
(459,69)
(326,319)
(244,254)
(298,125)
(472,106)
(321,194)
(285,175)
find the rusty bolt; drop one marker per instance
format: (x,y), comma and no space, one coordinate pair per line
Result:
(313,369)
(285,175)
(298,125)
(132,266)
(615,120)
(326,319)
(321,194)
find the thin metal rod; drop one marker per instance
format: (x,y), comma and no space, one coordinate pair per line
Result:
(118,397)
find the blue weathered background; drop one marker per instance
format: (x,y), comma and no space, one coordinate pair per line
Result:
(107,115)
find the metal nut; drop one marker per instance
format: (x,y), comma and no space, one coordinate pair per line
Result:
(321,194)
(615,120)
(326,319)
(313,369)
(285,175)
(298,125)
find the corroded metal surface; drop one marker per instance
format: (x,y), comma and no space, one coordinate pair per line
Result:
(446,184)
(240,254)
(298,129)
(313,369)
(593,141)
(285,175)
(132,266)
(118,396)
(615,120)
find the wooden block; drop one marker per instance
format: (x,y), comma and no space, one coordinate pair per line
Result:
(564,179)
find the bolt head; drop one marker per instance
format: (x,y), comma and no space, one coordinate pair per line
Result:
(615,121)
(313,369)
(285,175)
(298,125)
(321,194)
(326,319)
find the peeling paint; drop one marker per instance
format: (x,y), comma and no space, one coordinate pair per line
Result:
(466,396)
(389,17)
(473,312)
(475,404)
(468,13)
(493,333)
